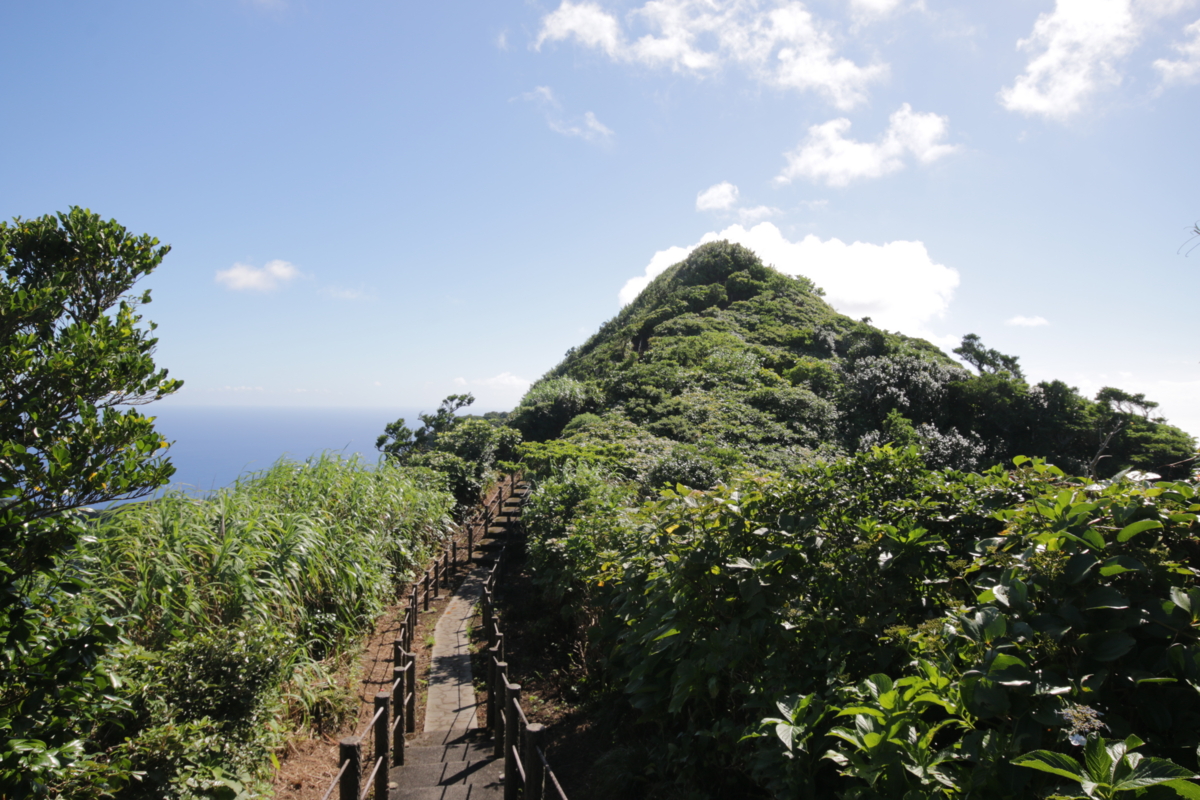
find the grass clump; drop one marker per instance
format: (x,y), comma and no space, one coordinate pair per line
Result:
(235,607)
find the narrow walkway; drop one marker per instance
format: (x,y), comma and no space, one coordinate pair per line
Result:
(453,759)
(450,705)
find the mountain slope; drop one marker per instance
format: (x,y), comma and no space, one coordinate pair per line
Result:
(723,360)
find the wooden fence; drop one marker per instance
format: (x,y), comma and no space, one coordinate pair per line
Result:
(517,740)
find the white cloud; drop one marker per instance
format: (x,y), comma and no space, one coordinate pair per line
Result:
(718,197)
(828,155)
(897,284)
(749,216)
(588,128)
(1077,50)
(502,40)
(243,277)
(1027,322)
(873,9)
(783,46)
(1187,68)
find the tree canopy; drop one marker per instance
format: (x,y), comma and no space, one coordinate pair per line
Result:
(75,361)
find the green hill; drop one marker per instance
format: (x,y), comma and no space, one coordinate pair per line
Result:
(723,361)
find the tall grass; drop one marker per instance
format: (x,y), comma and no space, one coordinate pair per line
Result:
(230,603)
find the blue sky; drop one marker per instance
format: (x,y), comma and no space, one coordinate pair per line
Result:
(378,204)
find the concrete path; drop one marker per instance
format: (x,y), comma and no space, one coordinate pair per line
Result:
(450,705)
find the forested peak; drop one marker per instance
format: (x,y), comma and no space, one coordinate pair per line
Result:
(723,360)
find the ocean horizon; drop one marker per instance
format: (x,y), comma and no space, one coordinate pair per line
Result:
(213,446)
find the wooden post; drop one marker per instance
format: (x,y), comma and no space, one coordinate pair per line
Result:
(437,578)
(350,749)
(535,770)
(397,652)
(381,744)
(512,733)
(470,541)
(410,717)
(495,699)
(425,584)
(454,555)
(399,684)
(486,608)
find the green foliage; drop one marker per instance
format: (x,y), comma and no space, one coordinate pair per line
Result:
(463,450)
(706,352)
(1111,768)
(231,602)
(936,624)
(73,355)
(986,359)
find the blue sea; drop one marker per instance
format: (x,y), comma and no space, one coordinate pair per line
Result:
(213,446)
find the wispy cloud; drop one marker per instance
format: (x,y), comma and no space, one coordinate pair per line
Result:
(1185,69)
(245,278)
(829,156)
(588,127)
(781,44)
(1027,322)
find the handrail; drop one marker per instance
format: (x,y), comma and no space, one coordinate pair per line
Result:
(399,704)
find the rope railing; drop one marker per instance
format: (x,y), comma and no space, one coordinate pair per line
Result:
(517,740)
(396,710)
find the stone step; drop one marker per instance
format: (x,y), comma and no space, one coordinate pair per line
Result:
(436,754)
(447,793)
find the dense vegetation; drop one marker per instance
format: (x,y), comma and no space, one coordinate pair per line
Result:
(233,611)
(812,559)
(722,361)
(162,649)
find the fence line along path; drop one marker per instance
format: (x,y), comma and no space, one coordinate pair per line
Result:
(455,759)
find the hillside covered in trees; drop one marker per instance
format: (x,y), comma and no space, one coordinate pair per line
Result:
(797,556)
(723,360)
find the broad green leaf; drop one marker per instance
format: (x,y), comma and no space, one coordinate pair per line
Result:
(1129,531)
(1107,646)
(1054,763)
(1184,789)
(1151,771)
(1119,564)
(1105,597)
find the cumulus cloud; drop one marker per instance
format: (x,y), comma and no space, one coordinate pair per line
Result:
(245,278)
(781,45)
(828,155)
(1076,51)
(897,284)
(719,197)
(587,128)
(1027,322)
(1185,69)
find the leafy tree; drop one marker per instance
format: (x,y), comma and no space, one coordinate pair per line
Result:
(73,358)
(986,359)
(399,441)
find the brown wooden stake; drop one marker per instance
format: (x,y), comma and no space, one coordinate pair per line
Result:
(512,727)
(350,749)
(399,684)
(382,739)
(535,770)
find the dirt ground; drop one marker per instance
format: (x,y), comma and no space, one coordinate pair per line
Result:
(309,764)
